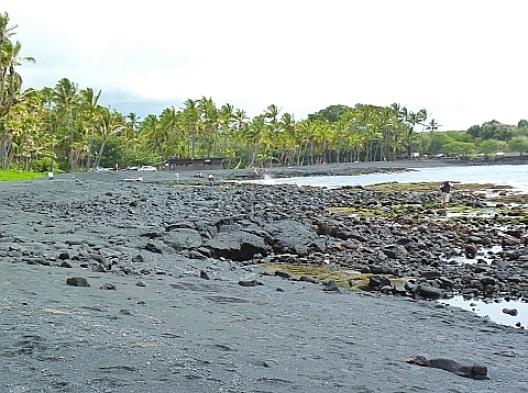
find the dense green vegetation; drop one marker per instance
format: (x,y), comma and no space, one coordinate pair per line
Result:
(486,139)
(66,127)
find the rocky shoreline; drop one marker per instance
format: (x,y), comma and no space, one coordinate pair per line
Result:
(219,241)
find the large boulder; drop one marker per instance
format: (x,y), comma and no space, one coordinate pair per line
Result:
(183,238)
(292,237)
(395,252)
(428,292)
(238,246)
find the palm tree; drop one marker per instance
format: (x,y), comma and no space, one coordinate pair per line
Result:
(109,124)
(168,130)
(272,113)
(65,98)
(209,123)
(226,121)
(432,125)
(133,121)
(10,81)
(190,120)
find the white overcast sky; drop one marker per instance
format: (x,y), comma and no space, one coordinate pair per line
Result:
(465,61)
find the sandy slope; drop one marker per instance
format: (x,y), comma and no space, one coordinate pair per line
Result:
(180,333)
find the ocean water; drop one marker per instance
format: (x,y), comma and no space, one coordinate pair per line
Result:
(513,175)
(493,310)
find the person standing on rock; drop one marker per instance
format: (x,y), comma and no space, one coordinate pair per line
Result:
(211,180)
(446,189)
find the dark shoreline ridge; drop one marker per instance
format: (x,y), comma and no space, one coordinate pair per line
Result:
(186,262)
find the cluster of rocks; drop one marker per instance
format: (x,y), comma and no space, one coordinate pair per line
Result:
(112,227)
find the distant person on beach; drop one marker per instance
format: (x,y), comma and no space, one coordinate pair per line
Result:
(446,188)
(211,180)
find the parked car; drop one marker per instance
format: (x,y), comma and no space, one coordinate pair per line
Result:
(147,168)
(500,154)
(132,168)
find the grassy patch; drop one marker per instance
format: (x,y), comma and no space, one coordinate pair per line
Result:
(433,186)
(345,278)
(393,211)
(18,175)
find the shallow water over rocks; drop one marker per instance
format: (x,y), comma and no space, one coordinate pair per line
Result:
(513,175)
(486,254)
(493,309)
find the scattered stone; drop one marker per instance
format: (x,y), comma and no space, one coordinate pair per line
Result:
(431,274)
(428,292)
(395,252)
(510,311)
(249,283)
(377,282)
(308,279)
(282,274)
(138,259)
(77,282)
(108,287)
(473,371)
(506,353)
(331,286)
(471,250)
(153,248)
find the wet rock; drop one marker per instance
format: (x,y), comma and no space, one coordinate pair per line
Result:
(506,353)
(194,254)
(308,279)
(399,289)
(204,275)
(153,248)
(77,282)
(445,283)
(431,274)
(477,284)
(183,238)
(66,264)
(282,274)
(291,237)
(108,287)
(141,284)
(471,250)
(474,371)
(138,259)
(238,246)
(377,282)
(100,269)
(331,286)
(249,282)
(510,311)
(411,286)
(428,292)
(474,239)
(395,252)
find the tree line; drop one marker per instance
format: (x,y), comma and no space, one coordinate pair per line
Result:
(67,127)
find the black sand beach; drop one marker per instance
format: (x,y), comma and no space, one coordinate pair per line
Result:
(179,299)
